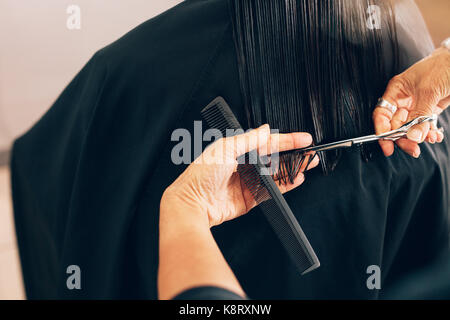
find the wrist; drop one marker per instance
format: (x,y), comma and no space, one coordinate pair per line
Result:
(177,209)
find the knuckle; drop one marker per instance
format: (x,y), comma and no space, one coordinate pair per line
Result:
(381,116)
(399,84)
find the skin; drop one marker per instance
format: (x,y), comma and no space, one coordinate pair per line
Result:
(421,90)
(208,193)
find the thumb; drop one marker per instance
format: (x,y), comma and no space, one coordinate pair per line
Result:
(423,106)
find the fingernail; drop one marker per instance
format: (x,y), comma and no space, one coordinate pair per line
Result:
(315,162)
(304,136)
(416,154)
(302,139)
(300,178)
(415,135)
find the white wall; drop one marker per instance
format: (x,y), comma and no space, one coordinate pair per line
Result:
(39,55)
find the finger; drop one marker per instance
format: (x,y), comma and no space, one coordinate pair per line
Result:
(290,186)
(225,151)
(400,117)
(432,133)
(267,143)
(287,141)
(310,162)
(303,163)
(432,136)
(398,94)
(435,134)
(440,136)
(249,141)
(382,122)
(423,106)
(410,147)
(387,147)
(419,132)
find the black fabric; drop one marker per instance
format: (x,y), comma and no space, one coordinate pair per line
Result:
(431,282)
(88,177)
(208,293)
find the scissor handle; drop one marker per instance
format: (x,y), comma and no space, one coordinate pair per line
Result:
(391,135)
(418,120)
(403,130)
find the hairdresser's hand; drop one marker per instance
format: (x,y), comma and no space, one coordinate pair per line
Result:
(421,90)
(211,187)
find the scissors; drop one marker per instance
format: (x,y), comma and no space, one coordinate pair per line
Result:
(390,135)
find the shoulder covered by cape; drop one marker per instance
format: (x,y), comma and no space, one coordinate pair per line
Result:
(79,172)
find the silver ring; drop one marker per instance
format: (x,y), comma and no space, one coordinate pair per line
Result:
(387,105)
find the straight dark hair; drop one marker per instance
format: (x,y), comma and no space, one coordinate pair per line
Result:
(313,65)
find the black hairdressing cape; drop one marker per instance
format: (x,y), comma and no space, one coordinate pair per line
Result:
(88,177)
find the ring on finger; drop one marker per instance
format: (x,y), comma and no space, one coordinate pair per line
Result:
(382,103)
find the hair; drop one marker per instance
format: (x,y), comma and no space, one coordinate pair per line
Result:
(314,66)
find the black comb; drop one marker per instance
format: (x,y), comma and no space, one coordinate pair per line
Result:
(219,116)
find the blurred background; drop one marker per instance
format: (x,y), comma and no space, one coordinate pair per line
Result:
(43,47)
(41,51)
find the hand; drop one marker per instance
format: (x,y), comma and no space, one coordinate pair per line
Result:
(211,186)
(421,90)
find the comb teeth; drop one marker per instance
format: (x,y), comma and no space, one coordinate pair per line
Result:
(218,115)
(265,192)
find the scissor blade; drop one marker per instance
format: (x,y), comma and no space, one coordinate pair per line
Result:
(348,143)
(329,146)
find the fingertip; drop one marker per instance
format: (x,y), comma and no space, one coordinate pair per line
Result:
(439,137)
(302,139)
(264,128)
(314,163)
(389,152)
(416,152)
(387,147)
(299,179)
(432,136)
(410,147)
